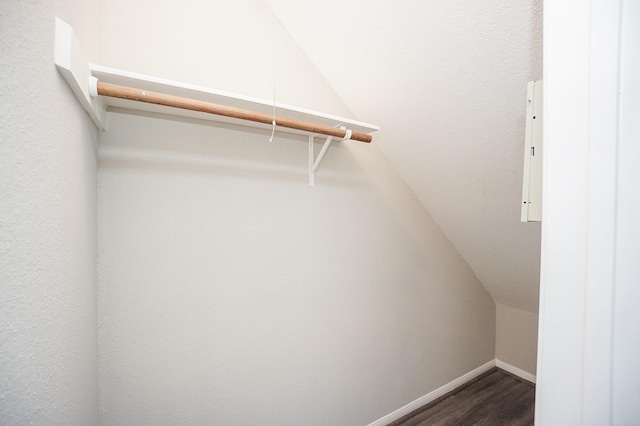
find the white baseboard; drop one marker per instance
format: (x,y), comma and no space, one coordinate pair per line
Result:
(516,371)
(432,396)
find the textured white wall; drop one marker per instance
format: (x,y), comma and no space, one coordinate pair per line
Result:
(48,347)
(200,44)
(446,81)
(517,337)
(230,292)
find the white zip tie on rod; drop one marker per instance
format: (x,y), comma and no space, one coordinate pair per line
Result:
(273,129)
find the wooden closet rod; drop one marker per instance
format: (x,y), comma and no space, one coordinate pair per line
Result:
(124,92)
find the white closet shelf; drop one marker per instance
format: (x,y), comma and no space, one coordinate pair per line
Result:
(100,88)
(71,62)
(205,94)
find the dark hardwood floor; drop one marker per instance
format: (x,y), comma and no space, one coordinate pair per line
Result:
(493,399)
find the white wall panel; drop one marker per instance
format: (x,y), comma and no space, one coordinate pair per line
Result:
(232,293)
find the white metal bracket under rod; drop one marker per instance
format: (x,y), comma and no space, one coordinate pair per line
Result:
(313,164)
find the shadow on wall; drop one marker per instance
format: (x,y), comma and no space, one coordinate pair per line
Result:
(221,149)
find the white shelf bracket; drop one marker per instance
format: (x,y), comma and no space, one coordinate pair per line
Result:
(313,164)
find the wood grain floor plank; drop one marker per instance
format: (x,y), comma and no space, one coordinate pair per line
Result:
(497,398)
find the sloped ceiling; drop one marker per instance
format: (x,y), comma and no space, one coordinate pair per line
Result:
(446,81)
